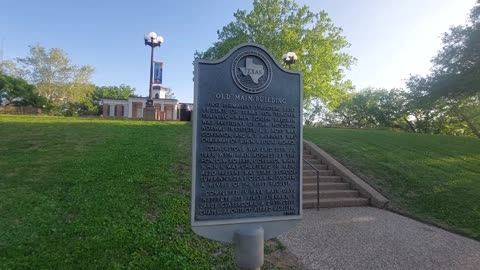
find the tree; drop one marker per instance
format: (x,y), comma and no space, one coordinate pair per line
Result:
(314,112)
(282,26)
(16,91)
(9,67)
(169,93)
(454,82)
(115,92)
(55,77)
(372,107)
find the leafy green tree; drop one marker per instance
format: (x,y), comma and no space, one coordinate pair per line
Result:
(169,93)
(314,112)
(345,114)
(9,67)
(114,92)
(55,77)
(454,83)
(16,91)
(282,26)
(373,108)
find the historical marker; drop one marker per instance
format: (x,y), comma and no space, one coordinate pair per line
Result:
(247,145)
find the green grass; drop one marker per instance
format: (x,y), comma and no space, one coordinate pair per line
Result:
(84,194)
(435,178)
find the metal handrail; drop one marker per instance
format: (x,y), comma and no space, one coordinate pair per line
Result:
(318,183)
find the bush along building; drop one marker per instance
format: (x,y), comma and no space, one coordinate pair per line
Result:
(166,109)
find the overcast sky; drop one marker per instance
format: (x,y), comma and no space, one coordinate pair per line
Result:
(390,38)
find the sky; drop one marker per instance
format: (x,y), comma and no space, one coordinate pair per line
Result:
(389,38)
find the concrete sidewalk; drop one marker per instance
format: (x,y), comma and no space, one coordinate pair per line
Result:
(371,238)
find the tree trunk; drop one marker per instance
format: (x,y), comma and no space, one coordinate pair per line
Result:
(346,119)
(468,121)
(409,124)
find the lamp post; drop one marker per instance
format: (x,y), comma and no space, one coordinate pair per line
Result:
(289,59)
(152,40)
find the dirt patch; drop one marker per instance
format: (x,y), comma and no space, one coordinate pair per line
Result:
(153,214)
(277,256)
(68,217)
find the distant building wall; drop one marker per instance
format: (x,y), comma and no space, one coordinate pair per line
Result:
(20,110)
(165,109)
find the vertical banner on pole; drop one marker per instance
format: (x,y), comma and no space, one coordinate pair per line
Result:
(157,72)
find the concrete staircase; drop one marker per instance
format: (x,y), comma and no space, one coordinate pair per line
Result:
(333,190)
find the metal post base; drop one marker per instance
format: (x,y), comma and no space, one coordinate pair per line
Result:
(249,242)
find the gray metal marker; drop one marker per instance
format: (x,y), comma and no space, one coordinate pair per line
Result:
(247,150)
(249,245)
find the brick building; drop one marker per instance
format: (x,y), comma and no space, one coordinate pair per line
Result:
(165,109)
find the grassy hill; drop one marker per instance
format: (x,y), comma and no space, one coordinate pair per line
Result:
(83,194)
(105,194)
(80,193)
(435,178)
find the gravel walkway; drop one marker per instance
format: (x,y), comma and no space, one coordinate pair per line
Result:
(370,238)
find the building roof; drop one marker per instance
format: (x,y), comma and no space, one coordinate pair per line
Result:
(114,99)
(145,98)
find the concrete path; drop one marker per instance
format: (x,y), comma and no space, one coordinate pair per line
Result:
(370,238)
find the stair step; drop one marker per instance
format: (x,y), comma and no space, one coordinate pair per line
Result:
(322,179)
(308,156)
(335,202)
(312,161)
(312,172)
(325,186)
(317,166)
(330,194)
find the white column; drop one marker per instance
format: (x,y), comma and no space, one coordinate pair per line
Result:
(175,112)
(130,109)
(144,104)
(111,110)
(162,108)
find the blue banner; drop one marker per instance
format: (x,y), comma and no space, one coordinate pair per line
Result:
(157,72)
